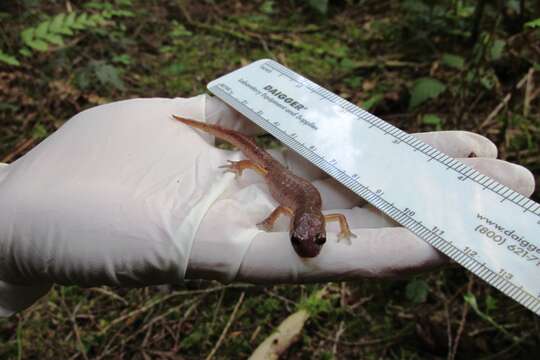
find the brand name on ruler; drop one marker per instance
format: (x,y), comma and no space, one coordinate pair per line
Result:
(286,99)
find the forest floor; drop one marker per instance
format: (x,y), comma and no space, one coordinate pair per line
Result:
(420,67)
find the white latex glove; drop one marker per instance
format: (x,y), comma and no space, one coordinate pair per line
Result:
(123,195)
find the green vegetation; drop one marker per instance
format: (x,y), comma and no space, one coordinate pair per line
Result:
(421,65)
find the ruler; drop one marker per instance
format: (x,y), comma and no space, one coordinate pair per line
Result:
(486,227)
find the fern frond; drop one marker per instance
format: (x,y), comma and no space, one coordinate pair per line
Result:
(8,59)
(53,31)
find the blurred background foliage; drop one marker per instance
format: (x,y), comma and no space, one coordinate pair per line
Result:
(421,65)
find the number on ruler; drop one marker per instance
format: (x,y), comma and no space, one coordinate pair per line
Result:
(409,212)
(505,274)
(437,231)
(469,252)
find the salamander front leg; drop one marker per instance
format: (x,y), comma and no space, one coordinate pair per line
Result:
(268,223)
(237,167)
(345,232)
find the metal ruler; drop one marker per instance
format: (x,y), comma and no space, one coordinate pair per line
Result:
(483,225)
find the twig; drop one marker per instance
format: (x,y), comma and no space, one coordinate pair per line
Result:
(159,300)
(478,12)
(288,302)
(227,326)
(503,103)
(19,149)
(406,331)
(476,332)
(448,328)
(464,312)
(503,352)
(77,333)
(528,93)
(217,308)
(340,332)
(188,312)
(255,334)
(110,294)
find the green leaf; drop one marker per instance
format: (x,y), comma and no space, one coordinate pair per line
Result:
(25,52)
(8,59)
(122,13)
(174,69)
(453,61)
(533,23)
(80,22)
(372,101)
(179,31)
(65,31)
(38,45)
(425,89)
(108,75)
(98,19)
(124,59)
(471,300)
(354,81)
(415,6)
(417,291)
(267,7)
(487,81)
(27,35)
(57,23)
(70,20)
(491,303)
(321,6)
(39,132)
(98,5)
(42,29)
(496,50)
(106,14)
(434,120)
(314,305)
(54,39)
(4,106)
(347,64)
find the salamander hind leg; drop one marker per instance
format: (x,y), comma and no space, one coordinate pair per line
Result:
(268,223)
(345,232)
(237,167)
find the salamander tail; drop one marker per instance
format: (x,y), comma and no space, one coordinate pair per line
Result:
(194,123)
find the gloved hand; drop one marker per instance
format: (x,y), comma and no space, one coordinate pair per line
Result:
(123,195)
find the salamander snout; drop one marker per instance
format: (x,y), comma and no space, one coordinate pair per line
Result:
(308,234)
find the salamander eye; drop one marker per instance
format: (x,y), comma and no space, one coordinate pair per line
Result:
(320,239)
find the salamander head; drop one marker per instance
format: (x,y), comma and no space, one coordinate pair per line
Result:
(308,233)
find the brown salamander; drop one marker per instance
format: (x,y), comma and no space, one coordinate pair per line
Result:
(296,196)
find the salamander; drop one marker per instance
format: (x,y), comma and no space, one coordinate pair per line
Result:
(296,196)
